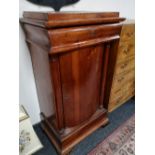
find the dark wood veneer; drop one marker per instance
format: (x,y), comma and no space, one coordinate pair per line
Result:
(73,57)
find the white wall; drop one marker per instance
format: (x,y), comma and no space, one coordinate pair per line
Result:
(28,96)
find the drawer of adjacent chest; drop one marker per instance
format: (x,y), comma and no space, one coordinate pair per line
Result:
(128,32)
(124,66)
(126,50)
(122,79)
(119,91)
(121,98)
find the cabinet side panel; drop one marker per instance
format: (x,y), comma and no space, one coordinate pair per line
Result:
(110,71)
(56,82)
(81,76)
(40,62)
(37,35)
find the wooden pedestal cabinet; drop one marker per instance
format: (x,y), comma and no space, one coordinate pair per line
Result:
(73,56)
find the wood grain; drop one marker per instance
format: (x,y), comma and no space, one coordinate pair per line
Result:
(124,77)
(73,55)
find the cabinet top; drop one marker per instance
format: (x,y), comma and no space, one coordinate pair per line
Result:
(64,19)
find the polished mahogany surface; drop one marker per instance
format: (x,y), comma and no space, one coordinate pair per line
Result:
(73,57)
(81,76)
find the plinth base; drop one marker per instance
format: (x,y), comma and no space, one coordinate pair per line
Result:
(64,144)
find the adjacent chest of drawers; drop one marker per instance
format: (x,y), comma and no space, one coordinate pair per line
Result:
(123,86)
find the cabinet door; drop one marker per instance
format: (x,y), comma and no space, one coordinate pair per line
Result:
(80,73)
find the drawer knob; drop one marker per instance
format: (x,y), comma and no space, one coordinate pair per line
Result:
(124,65)
(120,79)
(129,34)
(118,100)
(126,51)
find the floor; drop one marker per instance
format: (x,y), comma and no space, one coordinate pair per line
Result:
(117,117)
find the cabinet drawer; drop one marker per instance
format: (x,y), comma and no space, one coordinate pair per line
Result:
(124,66)
(122,79)
(114,103)
(128,87)
(126,49)
(128,32)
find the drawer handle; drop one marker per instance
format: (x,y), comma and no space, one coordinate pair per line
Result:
(129,34)
(120,79)
(118,100)
(124,65)
(117,91)
(126,51)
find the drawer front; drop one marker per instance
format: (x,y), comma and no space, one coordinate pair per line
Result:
(126,49)
(76,35)
(113,104)
(124,66)
(128,87)
(122,79)
(128,32)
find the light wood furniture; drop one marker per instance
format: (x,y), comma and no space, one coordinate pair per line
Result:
(73,56)
(123,86)
(28,140)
